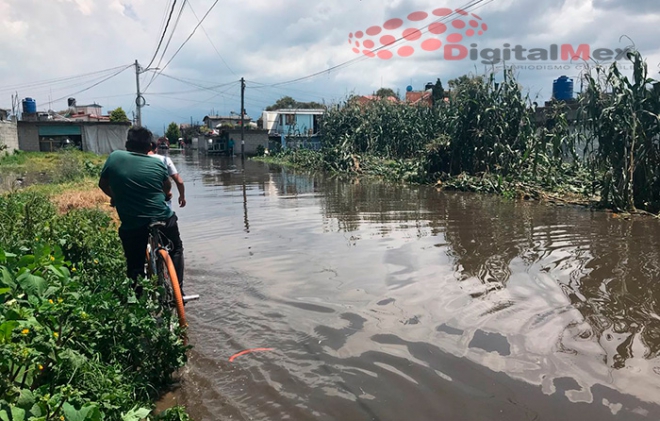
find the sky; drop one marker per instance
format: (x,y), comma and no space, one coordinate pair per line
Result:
(55,49)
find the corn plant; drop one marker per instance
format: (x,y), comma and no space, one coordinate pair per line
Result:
(620,116)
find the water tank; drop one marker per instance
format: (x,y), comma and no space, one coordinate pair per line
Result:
(428,86)
(562,89)
(409,88)
(29,106)
(71,102)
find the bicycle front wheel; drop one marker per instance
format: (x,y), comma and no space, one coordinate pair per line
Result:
(171,283)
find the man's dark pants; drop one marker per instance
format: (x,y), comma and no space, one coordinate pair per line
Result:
(135,246)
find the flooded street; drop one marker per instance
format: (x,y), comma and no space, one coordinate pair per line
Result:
(379,302)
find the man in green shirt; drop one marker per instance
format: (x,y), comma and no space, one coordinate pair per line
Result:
(139,186)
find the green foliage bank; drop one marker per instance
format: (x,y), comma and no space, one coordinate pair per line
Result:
(75,342)
(488,136)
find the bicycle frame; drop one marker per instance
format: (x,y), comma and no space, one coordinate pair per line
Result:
(160,264)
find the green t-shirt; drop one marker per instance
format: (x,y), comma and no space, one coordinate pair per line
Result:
(136,181)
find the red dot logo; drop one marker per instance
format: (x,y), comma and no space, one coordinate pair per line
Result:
(417,32)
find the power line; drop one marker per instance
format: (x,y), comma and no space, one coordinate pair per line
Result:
(184,42)
(169,40)
(211,41)
(201,87)
(94,85)
(162,36)
(176,24)
(28,85)
(467,6)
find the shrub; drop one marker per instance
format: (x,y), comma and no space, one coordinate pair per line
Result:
(75,341)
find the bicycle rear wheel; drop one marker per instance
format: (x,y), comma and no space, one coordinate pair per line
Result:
(169,280)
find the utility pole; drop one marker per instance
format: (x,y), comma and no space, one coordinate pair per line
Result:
(138,98)
(242,118)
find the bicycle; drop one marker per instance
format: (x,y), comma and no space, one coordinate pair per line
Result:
(159,264)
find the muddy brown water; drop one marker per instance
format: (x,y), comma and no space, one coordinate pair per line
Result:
(389,302)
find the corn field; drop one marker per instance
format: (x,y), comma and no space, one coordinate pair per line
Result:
(489,129)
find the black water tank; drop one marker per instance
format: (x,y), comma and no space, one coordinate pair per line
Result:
(71,102)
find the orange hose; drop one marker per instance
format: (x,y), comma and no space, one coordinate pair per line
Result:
(178,299)
(247,351)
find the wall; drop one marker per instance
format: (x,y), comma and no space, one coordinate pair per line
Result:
(252,137)
(8,136)
(28,136)
(100,138)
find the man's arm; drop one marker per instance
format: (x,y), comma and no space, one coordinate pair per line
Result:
(181,188)
(167,188)
(104,185)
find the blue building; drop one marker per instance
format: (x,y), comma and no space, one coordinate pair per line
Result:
(292,122)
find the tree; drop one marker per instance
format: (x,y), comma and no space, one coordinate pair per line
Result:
(438,92)
(173,133)
(288,102)
(386,93)
(462,80)
(118,115)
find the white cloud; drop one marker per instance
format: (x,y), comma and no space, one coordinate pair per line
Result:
(269,41)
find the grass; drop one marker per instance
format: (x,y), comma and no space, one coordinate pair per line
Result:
(72,178)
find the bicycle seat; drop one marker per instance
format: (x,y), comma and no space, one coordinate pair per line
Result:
(157,224)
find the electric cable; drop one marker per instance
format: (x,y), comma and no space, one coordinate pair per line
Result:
(94,85)
(184,43)
(162,36)
(211,41)
(467,6)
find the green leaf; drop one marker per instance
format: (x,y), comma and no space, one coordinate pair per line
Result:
(4,416)
(56,271)
(26,260)
(32,283)
(88,412)
(6,329)
(17,414)
(6,278)
(136,414)
(26,399)
(37,411)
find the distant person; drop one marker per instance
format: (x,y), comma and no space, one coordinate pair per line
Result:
(172,172)
(230,146)
(139,186)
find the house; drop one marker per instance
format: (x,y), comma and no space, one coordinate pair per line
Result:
(296,122)
(420,97)
(214,122)
(47,135)
(8,133)
(219,144)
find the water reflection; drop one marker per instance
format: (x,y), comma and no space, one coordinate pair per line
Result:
(378,299)
(606,266)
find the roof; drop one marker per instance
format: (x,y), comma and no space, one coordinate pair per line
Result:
(415,97)
(87,106)
(299,111)
(231,117)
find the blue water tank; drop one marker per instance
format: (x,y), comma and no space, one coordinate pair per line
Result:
(29,106)
(409,88)
(562,89)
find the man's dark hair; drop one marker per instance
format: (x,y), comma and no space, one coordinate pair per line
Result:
(139,140)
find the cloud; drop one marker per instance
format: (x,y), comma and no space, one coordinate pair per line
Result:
(637,7)
(272,41)
(129,12)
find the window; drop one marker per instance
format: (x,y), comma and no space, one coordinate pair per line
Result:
(290,119)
